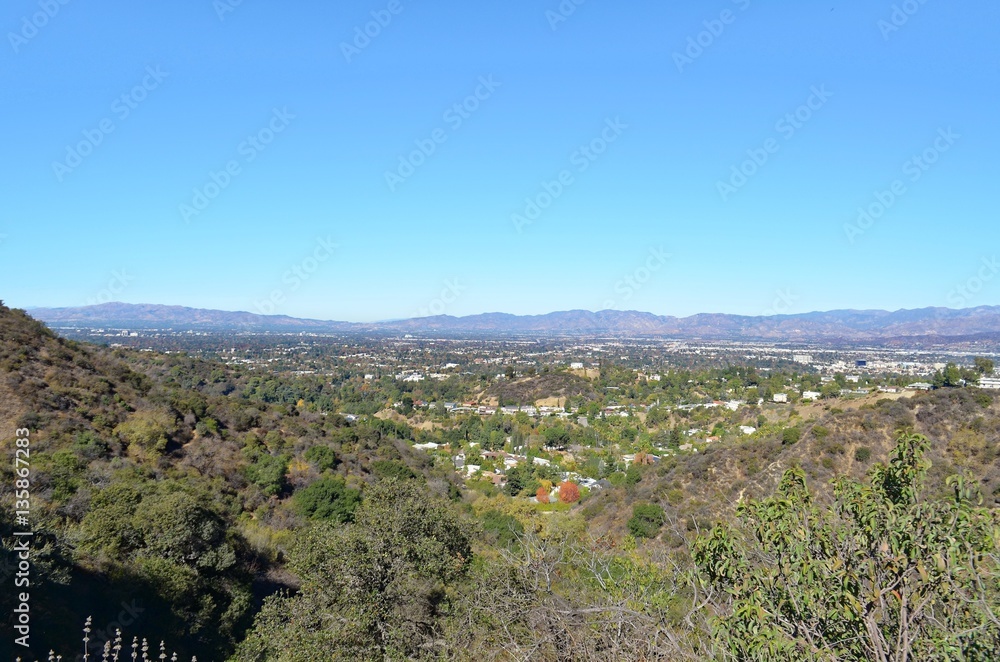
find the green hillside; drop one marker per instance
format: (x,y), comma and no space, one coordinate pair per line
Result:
(231,514)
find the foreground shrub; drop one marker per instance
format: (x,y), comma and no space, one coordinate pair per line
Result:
(884,576)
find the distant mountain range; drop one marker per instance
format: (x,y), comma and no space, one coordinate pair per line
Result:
(937,325)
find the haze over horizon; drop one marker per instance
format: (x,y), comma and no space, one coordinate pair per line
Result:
(484,312)
(363,178)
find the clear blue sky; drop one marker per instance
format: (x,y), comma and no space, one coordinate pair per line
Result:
(671,120)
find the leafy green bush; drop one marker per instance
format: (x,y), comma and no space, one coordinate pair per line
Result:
(373,590)
(322,457)
(882,575)
(501,529)
(647,518)
(392,469)
(268,472)
(862,454)
(633,476)
(328,499)
(790,436)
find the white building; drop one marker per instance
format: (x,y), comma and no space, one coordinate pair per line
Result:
(781,397)
(989,382)
(811,395)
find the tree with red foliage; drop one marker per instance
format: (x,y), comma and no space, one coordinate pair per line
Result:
(542,495)
(569,492)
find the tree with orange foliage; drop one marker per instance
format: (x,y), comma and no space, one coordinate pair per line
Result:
(542,495)
(569,492)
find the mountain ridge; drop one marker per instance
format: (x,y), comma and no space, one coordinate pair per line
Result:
(982,322)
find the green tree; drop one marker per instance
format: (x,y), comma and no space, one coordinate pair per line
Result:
(146,430)
(950,377)
(322,457)
(178,543)
(328,499)
(392,469)
(984,366)
(376,589)
(646,520)
(790,436)
(676,438)
(885,575)
(269,473)
(556,437)
(633,475)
